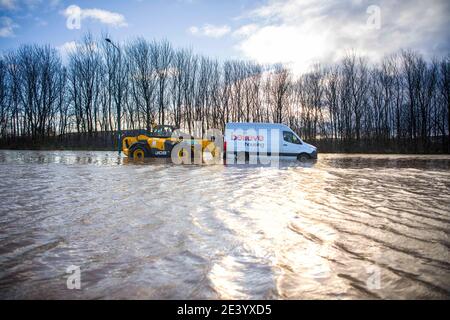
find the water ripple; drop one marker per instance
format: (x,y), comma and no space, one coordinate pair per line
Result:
(154,230)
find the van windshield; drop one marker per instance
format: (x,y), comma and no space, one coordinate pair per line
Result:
(290,137)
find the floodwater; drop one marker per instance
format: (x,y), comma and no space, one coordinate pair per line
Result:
(345,227)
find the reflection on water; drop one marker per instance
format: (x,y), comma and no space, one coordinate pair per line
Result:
(348,226)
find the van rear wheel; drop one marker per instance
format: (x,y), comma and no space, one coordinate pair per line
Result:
(303,157)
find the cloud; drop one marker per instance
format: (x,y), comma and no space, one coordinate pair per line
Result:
(103,16)
(32,4)
(246,30)
(209,30)
(7,27)
(40,22)
(67,47)
(7,4)
(303,32)
(194,30)
(71,46)
(55,3)
(22,5)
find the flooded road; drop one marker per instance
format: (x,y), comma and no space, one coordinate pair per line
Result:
(345,227)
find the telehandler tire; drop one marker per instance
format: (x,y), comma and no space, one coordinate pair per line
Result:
(139,151)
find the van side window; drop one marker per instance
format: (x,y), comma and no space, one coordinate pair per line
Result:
(290,137)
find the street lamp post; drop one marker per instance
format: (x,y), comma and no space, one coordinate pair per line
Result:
(119,131)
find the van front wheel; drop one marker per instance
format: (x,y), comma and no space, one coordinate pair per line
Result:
(303,157)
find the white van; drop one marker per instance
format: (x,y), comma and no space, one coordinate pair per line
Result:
(271,139)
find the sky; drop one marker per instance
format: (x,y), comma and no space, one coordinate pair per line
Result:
(298,33)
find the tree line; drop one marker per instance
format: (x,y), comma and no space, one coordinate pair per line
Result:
(401,102)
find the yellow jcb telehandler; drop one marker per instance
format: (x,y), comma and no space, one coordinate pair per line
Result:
(160,142)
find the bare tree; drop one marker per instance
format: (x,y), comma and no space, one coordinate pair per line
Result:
(162,57)
(402,102)
(142,79)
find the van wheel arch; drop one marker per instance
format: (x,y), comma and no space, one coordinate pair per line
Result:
(302,157)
